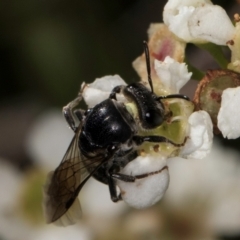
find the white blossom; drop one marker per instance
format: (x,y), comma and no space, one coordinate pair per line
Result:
(179,23)
(173,5)
(10,188)
(148,190)
(200,137)
(173,75)
(104,207)
(209,188)
(76,232)
(198,21)
(47,149)
(229,114)
(100,89)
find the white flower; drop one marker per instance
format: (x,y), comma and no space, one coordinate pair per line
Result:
(45,148)
(104,209)
(10,186)
(179,23)
(100,89)
(173,75)
(209,188)
(200,137)
(148,189)
(198,21)
(229,114)
(162,43)
(76,232)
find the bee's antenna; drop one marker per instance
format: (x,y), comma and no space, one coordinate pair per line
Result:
(146,50)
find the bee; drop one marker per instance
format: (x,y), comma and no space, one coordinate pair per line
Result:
(106,139)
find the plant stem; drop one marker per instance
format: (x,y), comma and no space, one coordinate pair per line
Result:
(216,52)
(196,73)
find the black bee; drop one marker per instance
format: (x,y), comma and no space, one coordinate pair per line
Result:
(106,140)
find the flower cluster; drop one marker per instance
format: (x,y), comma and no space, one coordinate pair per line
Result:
(202,22)
(188,21)
(187,127)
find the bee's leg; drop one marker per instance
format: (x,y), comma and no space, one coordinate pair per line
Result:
(121,162)
(116,90)
(113,190)
(68,112)
(113,172)
(112,184)
(168,115)
(79,113)
(123,177)
(174,96)
(156,139)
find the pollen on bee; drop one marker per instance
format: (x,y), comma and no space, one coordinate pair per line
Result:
(168,117)
(156,148)
(142,152)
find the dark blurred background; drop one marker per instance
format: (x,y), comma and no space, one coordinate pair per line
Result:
(48,48)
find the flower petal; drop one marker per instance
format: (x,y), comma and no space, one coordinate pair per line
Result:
(177,13)
(211,23)
(199,143)
(210,188)
(173,75)
(162,43)
(47,149)
(198,21)
(229,116)
(178,24)
(146,191)
(100,89)
(173,5)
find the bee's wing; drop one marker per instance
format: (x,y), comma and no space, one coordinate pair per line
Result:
(61,204)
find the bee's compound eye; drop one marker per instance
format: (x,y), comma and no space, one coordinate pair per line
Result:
(150,184)
(153,119)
